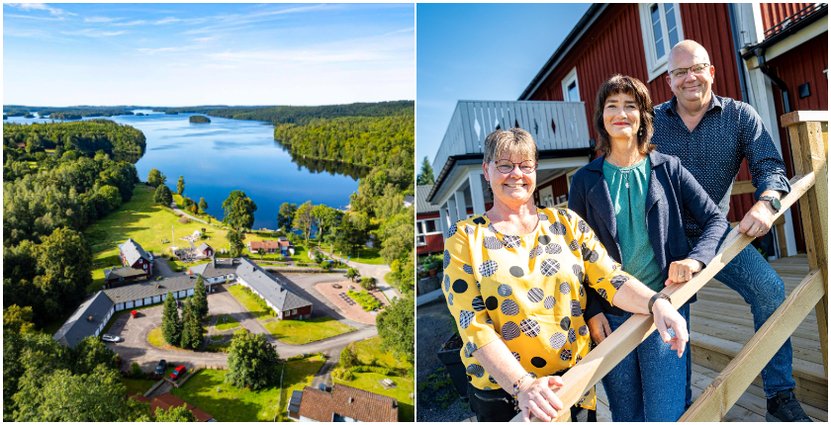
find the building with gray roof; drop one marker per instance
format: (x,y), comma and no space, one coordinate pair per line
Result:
(88,319)
(285,303)
(133,255)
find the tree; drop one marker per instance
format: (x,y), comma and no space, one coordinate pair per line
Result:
(200,298)
(348,358)
(174,414)
(235,239)
(89,353)
(286,215)
(352,273)
(327,219)
(171,323)
(162,196)
(252,361)
(395,327)
(17,319)
(155,178)
(303,220)
(239,210)
(368,282)
(203,205)
(180,185)
(425,176)
(64,260)
(191,327)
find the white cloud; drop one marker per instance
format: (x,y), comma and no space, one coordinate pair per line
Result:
(98,20)
(54,11)
(89,32)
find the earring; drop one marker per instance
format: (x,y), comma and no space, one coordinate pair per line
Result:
(640,132)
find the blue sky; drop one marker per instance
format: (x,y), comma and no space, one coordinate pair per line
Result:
(188,54)
(480,52)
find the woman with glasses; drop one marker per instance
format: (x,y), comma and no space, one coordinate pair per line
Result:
(635,200)
(513,280)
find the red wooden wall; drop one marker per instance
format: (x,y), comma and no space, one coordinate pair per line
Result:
(774,13)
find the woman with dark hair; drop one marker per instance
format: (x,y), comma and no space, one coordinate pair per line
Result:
(513,280)
(635,198)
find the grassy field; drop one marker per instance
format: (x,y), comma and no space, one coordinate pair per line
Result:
(156,339)
(225,322)
(306,331)
(148,224)
(137,386)
(209,391)
(369,352)
(365,256)
(289,331)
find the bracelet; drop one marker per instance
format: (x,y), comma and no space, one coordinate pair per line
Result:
(658,295)
(518,382)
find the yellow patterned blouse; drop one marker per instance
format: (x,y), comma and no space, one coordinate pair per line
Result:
(526,290)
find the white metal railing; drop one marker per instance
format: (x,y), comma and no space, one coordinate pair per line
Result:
(554,125)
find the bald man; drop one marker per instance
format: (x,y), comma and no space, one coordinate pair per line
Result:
(711,135)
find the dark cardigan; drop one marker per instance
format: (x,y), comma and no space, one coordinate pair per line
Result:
(672,191)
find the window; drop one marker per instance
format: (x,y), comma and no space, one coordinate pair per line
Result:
(571,90)
(661,29)
(424,228)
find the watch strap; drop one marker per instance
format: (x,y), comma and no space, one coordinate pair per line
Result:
(656,297)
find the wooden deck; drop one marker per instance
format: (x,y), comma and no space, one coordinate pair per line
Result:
(721,325)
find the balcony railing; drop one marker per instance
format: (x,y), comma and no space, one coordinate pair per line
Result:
(554,125)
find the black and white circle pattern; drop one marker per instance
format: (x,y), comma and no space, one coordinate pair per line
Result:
(510,307)
(529,327)
(565,288)
(544,239)
(542,216)
(576,310)
(478,303)
(564,213)
(535,251)
(516,356)
(504,290)
(565,355)
(465,317)
(510,331)
(573,245)
(549,302)
(602,293)
(516,271)
(557,341)
(467,268)
(535,295)
(491,380)
(446,283)
(446,258)
(582,226)
(488,268)
(449,298)
(557,229)
(476,370)
(460,286)
(492,242)
(451,231)
(619,280)
(572,335)
(578,272)
(549,267)
(511,241)
(470,348)
(565,323)
(553,248)
(468,230)
(583,330)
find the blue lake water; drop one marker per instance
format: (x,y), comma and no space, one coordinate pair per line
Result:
(227,155)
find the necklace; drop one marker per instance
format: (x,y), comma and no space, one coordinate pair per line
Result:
(624,173)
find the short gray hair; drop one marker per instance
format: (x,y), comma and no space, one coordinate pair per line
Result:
(514,140)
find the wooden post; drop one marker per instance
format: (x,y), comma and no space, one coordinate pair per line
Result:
(808,134)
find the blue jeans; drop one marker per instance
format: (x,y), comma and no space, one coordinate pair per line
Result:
(756,281)
(649,384)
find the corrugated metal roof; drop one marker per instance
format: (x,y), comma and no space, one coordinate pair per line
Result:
(223,267)
(79,325)
(268,286)
(422,194)
(132,251)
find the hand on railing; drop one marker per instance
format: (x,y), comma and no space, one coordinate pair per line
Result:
(682,271)
(667,318)
(537,399)
(599,327)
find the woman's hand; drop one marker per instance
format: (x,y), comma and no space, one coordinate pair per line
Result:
(536,398)
(671,325)
(599,327)
(682,271)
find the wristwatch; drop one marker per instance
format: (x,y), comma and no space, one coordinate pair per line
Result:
(656,297)
(773,201)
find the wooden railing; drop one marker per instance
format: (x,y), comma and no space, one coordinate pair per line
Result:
(808,133)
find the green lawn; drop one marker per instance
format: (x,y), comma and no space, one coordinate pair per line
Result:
(366,300)
(225,322)
(306,331)
(146,223)
(370,349)
(137,386)
(251,302)
(365,255)
(156,338)
(209,391)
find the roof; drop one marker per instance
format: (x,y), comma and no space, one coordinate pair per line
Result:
(294,402)
(132,251)
(203,247)
(788,27)
(168,400)
(150,288)
(255,245)
(122,272)
(79,325)
(422,206)
(223,267)
(349,402)
(268,286)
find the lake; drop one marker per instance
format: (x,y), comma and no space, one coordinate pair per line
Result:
(227,155)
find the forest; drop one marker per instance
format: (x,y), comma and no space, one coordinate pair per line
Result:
(87,137)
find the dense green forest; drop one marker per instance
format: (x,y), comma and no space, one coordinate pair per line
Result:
(69,112)
(199,119)
(88,137)
(49,196)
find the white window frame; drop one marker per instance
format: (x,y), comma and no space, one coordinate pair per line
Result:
(656,66)
(571,77)
(421,230)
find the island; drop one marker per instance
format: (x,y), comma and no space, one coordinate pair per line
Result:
(199,119)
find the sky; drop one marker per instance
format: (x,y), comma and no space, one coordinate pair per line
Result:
(197,54)
(480,52)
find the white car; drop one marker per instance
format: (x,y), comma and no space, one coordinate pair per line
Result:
(111,338)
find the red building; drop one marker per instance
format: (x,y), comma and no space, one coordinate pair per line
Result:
(428,231)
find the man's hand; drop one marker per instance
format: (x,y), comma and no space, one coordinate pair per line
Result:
(758,221)
(681,271)
(599,328)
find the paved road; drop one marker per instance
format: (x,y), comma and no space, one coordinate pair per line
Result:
(378,271)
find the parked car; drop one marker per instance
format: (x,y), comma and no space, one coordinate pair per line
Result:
(179,371)
(161,367)
(111,338)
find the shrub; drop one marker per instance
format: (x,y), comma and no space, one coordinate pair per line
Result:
(135,371)
(184,220)
(367,301)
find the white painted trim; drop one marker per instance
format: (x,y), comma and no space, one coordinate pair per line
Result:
(791,42)
(571,77)
(655,66)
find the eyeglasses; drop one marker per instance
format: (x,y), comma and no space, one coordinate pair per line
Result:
(697,69)
(505,166)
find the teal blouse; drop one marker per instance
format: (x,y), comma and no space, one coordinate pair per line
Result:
(628,186)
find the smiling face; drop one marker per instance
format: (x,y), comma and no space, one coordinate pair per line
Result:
(690,87)
(621,117)
(515,188)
